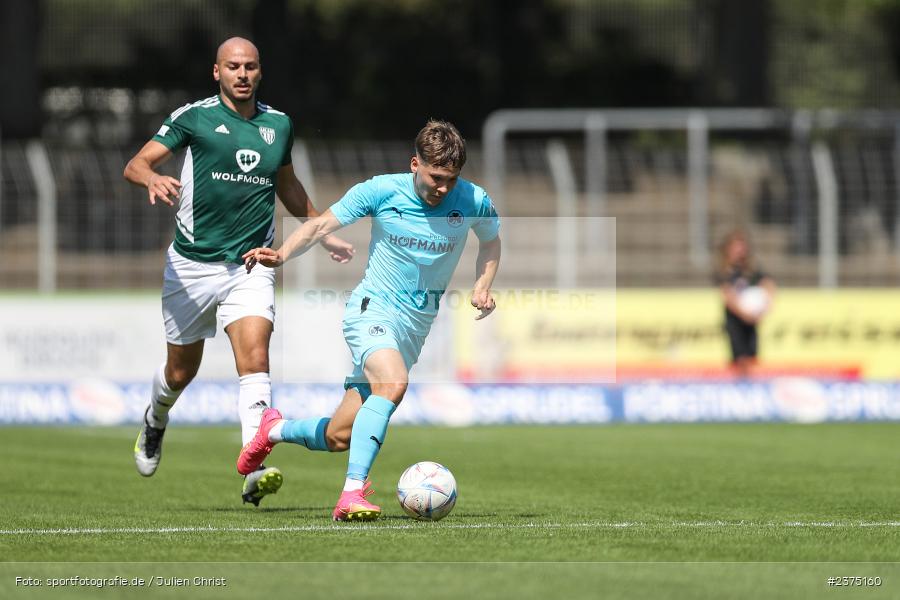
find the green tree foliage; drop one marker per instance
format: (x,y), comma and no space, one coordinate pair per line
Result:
(836,53)
(377,68)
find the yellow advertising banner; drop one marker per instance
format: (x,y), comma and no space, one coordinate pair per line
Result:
(596,335)
(539,335)
(857,327)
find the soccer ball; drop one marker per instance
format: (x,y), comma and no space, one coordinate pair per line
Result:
(427,491)
(754,301)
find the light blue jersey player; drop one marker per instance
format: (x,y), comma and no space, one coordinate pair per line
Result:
(414,250)
(420,222)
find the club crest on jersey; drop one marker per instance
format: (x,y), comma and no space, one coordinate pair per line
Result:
(455,218)
(247,159)
(377,330)
(268,134)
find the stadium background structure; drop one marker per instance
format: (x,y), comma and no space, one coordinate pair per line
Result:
(784,477)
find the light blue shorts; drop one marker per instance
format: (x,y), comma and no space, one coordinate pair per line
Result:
(370,326)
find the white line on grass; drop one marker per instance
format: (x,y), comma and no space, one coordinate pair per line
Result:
(369,527)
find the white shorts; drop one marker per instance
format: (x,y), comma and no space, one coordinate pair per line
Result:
(194,293)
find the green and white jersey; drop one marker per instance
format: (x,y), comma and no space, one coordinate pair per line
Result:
(228,180)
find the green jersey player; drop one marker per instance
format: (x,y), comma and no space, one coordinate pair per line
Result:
(237,157)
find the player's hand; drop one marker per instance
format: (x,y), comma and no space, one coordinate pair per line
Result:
(750,318)
(163,188)
(484,302)
(267,257)
(340,250)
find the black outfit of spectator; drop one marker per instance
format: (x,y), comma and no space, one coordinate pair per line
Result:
(742,336)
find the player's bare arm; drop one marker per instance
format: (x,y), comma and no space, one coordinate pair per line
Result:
(730,299)
(486,266)
(140,171)
(309,234)
(768,284)
(297,202)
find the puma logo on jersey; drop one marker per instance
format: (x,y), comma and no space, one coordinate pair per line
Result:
(222,129)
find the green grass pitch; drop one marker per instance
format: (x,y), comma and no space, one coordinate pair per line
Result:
(662,511)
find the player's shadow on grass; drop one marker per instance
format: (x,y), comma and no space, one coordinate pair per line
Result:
(315,511)
(405,518)
(312,510)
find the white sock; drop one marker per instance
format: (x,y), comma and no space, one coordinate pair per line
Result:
(275,432)
(162,398)
(351,485)
(254,398)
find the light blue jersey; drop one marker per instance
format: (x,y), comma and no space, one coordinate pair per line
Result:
(415,247)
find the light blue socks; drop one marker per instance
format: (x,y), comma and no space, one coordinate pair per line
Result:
(367,436)
(308,432)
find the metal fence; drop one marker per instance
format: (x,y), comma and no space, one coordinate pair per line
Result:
(817,191)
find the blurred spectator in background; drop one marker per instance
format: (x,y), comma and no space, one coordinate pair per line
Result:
(747,293)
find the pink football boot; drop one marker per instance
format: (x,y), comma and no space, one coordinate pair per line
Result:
(353,506)
(257,449)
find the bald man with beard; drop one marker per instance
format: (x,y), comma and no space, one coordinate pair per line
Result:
(237,158)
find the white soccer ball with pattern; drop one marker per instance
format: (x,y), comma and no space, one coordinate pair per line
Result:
(754,301)
(427,491)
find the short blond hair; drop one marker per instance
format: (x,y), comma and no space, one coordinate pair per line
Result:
(440,144)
